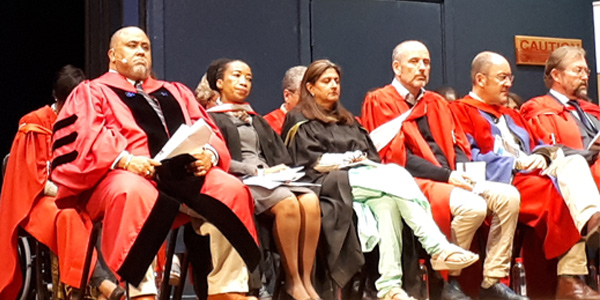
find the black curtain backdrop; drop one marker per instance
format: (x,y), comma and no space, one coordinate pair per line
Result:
(38,38)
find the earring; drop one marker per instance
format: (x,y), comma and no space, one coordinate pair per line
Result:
(313,95)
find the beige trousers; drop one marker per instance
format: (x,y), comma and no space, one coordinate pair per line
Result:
(147,285)
(229,274)
(502,202)
(581,196)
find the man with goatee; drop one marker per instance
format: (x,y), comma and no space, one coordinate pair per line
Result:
(566,115)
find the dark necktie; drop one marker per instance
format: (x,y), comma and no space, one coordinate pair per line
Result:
(589,126)
(152,102)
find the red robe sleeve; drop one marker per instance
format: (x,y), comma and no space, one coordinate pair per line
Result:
(86,140)
(551,122)
(590,108)
(26,175)
(275,119)
(378,108)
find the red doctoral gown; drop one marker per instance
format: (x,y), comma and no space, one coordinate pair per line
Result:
(542,206)
(385,104)
(553,123)
(23,204)
(275,119)
(100,120)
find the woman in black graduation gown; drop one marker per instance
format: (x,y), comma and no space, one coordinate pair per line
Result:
(255,148)
(321,134)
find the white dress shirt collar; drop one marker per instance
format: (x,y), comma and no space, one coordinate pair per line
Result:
(562,98)
(130,81)
(404,91)
(475,96)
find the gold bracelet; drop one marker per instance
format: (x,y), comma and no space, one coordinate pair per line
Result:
(129,158)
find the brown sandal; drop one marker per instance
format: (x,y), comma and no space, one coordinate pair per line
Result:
(441,262)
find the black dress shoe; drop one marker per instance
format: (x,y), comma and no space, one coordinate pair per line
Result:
(499,291)
(117,294)
(452,291)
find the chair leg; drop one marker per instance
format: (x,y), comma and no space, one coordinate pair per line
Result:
(178,294)
(41,270)
(165,288)
(88,260)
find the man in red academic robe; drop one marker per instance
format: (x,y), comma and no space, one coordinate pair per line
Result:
(420,133)
(565,115)
(104,139)
(27,198)
(291,95)
(558,213)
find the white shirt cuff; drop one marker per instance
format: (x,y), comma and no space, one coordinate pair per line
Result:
(114,164)
(215,157)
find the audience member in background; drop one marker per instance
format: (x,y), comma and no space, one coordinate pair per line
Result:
(422,134)
(514,101)
(501,138)
(447,92)
(255,148)
(565,115)
(105,137)
(206,96)
(291,94)
(320,127)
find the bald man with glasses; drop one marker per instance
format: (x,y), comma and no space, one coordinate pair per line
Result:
(559,198)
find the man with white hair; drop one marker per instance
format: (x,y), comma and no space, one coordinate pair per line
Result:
(291,94)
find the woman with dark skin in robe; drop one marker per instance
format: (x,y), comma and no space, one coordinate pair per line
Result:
(255,148)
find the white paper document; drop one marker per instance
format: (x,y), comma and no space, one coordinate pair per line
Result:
(473,169)
(185,140)
(336,161)
(286,177)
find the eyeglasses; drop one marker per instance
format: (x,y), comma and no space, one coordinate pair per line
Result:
(503,77)
(579,71)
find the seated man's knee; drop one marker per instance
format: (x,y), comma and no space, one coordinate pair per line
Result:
(507,197)
(128,188)
(577,159)
(222,179)
(466,204)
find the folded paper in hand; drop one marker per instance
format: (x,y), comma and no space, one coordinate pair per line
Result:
(474,169)
(186,139)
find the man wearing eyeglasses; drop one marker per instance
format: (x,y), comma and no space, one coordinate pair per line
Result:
(501,137)
(565,115)
(415,128)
